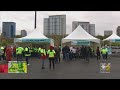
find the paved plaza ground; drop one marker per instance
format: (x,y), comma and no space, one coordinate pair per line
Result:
(75,69)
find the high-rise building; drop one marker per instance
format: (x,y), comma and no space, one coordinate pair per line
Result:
(90,28)
(108,32)
(23,33)
(118,30)
(9,29)
(55,25)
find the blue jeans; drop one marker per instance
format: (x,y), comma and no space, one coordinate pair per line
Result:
(0,57)
(63,55)
(56,59)
(19,56)
(67,56)
(104,55)
(27,57)
(43,61)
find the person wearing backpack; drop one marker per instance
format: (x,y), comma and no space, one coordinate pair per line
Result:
(51,54)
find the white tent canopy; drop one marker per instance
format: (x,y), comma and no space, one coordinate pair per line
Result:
(112,37)
(80,34)
(35,36)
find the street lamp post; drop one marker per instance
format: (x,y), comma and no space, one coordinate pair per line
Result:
(35,18)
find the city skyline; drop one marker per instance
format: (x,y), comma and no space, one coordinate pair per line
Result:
(103,20)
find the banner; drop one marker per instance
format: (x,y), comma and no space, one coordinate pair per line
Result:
(117,40)
(80,42)
(35,40)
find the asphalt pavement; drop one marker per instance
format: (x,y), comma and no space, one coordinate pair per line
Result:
(74,69)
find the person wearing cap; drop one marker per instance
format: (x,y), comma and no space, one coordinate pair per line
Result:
(51,54)
(43,56)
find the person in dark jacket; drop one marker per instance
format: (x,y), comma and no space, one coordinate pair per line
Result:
(63,52)
(83,52)
(59,50)
(67,51)
(98,53)
(56,56)
(87,53)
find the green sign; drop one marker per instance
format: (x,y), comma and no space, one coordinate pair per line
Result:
(83,43)
(80,42)
(117,40)
(36,40)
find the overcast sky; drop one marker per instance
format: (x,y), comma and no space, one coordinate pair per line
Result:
(103,20)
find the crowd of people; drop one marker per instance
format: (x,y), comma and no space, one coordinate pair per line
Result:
(84,52)
(53,53)
(102,52)
(72,53)
(19,53)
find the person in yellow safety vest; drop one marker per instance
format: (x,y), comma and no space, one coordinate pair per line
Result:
(31,51)
(51,54)
(39,52)
(103,52)
(27,54)
(43,56)
(19,52)
(106,52)
(1,53)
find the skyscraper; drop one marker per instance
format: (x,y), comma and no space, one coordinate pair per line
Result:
(23,33)
(108,32)
(55,25)
(90,28)
(118,30)
(9,29)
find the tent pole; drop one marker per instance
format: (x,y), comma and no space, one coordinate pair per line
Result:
(35,19)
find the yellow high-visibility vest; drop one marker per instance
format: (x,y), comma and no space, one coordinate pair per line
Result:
(42,51)
(103,51)
(51,53)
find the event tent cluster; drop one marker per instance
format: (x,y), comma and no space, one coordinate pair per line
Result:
(35,36)
(113,38)
(80,34)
